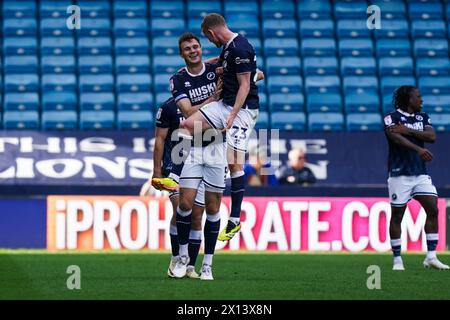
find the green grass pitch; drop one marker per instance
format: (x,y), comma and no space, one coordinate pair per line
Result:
(241,276)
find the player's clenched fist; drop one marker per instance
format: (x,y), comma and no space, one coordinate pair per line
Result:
(425,154)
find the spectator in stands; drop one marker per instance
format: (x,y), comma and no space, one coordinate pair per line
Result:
(258,170)
(296,172)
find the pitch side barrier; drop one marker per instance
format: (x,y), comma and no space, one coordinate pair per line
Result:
(279,224)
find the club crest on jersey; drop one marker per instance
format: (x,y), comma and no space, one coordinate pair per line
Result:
(419,117)
(211,76)
(387,120)
(187,84)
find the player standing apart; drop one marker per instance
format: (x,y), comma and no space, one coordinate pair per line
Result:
(236,112)
(407,129)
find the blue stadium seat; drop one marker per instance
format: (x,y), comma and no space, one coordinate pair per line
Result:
(97,101)
(286,28)
(277,9)
(263,121)
(57,27)
(389,83)
(95,8)
(289,121)
(391,9)
(161,97)
(58,82)
(96,83)
(425,10)
(323,121)
(210,50)
(94,45)
(137,27)
(21,102)
(167,64)
(21,64)
(95,27)
(165,46)
(256,43)
(97,120)
(135,120)
(362,102)
(130,9)
(431,48)
(167,27)
(393,29)
(387,105)
(132,64)
(436,103)
(358,66)
(316,9)
(244,24)
(95,64)
(21,83)
(355,9)
(161,82)
(393,48)
(283,65)
(234,7)
(262,101)
(58,64)
(53,8)
(355,47)
(59,101)
(432,66)
(428,29)
(59,120)
(364,122)
(353,29)
(20,46)
(360,84)
(57,46)
(395,66)
(28,120)
(135,101)
(285,84)
(199,9)
(324,102)
(19,9)
(137,45)
(134,83)
(281,47)
(286,102)
(25,27)
(320,66)
(434,85)
(322,84)
(167,9)
(318,47)
(261,86)
(316,29)
(441,122)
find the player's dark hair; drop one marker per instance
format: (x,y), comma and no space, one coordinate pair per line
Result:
(400,98)
(212,20)
(187,36)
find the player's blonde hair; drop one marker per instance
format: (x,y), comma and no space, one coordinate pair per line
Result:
(212,20)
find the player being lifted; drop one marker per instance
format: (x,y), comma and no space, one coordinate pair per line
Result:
(192,87)
(236,112)
(407,129)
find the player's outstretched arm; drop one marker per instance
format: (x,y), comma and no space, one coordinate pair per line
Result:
(397,138)
(428,135)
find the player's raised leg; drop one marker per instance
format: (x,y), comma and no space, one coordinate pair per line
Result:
(395,231)
(429,203)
